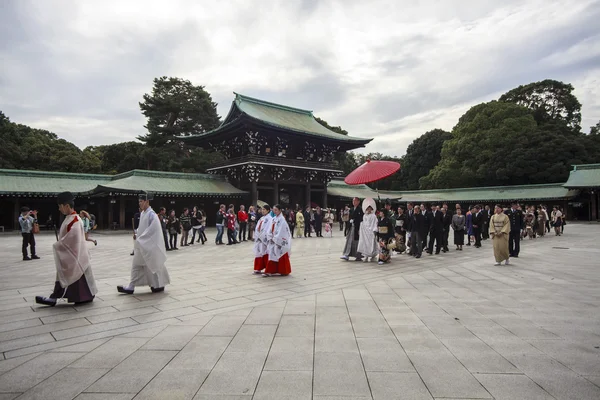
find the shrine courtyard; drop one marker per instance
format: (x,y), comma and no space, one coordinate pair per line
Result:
(452,326)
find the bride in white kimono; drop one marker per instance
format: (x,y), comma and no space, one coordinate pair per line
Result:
(74,278)
(279,245)
(148,266)
(367,242)
(261,258)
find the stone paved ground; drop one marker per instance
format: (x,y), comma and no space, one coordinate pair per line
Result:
(446,327)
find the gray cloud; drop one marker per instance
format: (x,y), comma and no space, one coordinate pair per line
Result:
(378,70)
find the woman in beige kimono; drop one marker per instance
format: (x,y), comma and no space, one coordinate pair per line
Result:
(499,231)
(541,226)
(299,223)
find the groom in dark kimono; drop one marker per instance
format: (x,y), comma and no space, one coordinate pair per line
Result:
(356,217)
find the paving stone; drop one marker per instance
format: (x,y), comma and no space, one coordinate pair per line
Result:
(263,316)
(512,386)
(235,374)
(284,385)
(340,374)
(478,357)
(201,353)
(65,384)
(296,326)
(34,371)
(172,338)
(223,326)
(383,354)
(173,384)
(396,385)
(7,365)
(84,347)
(105,396)
(134,373)
(110,354)
(291,354)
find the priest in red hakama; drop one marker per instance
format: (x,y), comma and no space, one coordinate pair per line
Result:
(261,258)
(74,278)
(279,245)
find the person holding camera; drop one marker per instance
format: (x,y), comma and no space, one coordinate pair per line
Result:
(26,222)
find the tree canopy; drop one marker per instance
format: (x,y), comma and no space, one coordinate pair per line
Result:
(422,155)
(176,107)
(499,143)
(337,129)
(549,100)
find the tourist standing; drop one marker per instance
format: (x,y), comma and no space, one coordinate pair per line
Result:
(500,229)
(251,223)
(307,221)
(418,229)
(279,245)
(26,221)
(162,216)
(242,217)
(356,217)
(231,239)
(367,242)
(86,220)
(477,225)
(469,225)
(186,225)
(458,225)
(261,258)
(516,225)
(196,222)
(556,220)
(74,278)
(174,228)
(318,218)
(487,215)
(436,230)
(221,223)
(447,221)
(346,219)
(148,266)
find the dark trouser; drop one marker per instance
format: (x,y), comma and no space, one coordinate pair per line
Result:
(230,236)
(242,234)
(173,240)
(445,238)
(437,236)
(341,225)
(184,236)
(319,229)
(28,240)
(219,237)
(485,233)
(77,292)
(200,235)
(307,229)
(166,240)
(477,234)
(514,243)
(424,241)
(416,247)
(547,226)
(251,228)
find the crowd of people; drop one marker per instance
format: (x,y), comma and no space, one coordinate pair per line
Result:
(374,235)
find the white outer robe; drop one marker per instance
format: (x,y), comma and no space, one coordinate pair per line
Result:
(71,254)
(148,265)
(260,235)
(279,238)
(367,244)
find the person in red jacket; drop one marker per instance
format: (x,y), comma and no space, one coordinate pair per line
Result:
(242,216)
(231,227)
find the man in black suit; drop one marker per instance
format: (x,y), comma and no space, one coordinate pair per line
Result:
(478,225)
(516,224)
(428,217)
(409,213)
(447,219)
(418,229)
(436,230)
(487,215)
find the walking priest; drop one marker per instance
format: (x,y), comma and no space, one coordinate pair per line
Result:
(148,266)
(261,258)
(279,245)
(499,232)
(74,278)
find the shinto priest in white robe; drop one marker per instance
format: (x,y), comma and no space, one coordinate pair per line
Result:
(74,278)
(148,266)
(261,257)
(279,247)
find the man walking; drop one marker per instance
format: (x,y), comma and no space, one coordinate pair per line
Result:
(447,221)
(516,224)
(436,230)
(148,266)
(243,222)
(26,221)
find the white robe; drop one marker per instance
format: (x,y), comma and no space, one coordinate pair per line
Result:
(279,238)
(148,266)
(367,244)
(71,254)
(260,236)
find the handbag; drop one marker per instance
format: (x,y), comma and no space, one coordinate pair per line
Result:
(36,228)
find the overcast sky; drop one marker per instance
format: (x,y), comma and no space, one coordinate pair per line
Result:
(390,70)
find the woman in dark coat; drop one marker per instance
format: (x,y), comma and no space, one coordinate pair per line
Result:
(458,226)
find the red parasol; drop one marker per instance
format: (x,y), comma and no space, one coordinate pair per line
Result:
(372,171)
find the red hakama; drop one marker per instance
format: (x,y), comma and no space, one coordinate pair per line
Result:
(282,266)
(260,263)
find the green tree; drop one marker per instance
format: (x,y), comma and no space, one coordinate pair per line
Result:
(422,155)
(175,108)
(549,100)
(119,157)
(337,129)
(595,130)
(499,143)
(24,147)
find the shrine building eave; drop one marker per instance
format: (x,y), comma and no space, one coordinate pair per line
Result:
(247,112)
